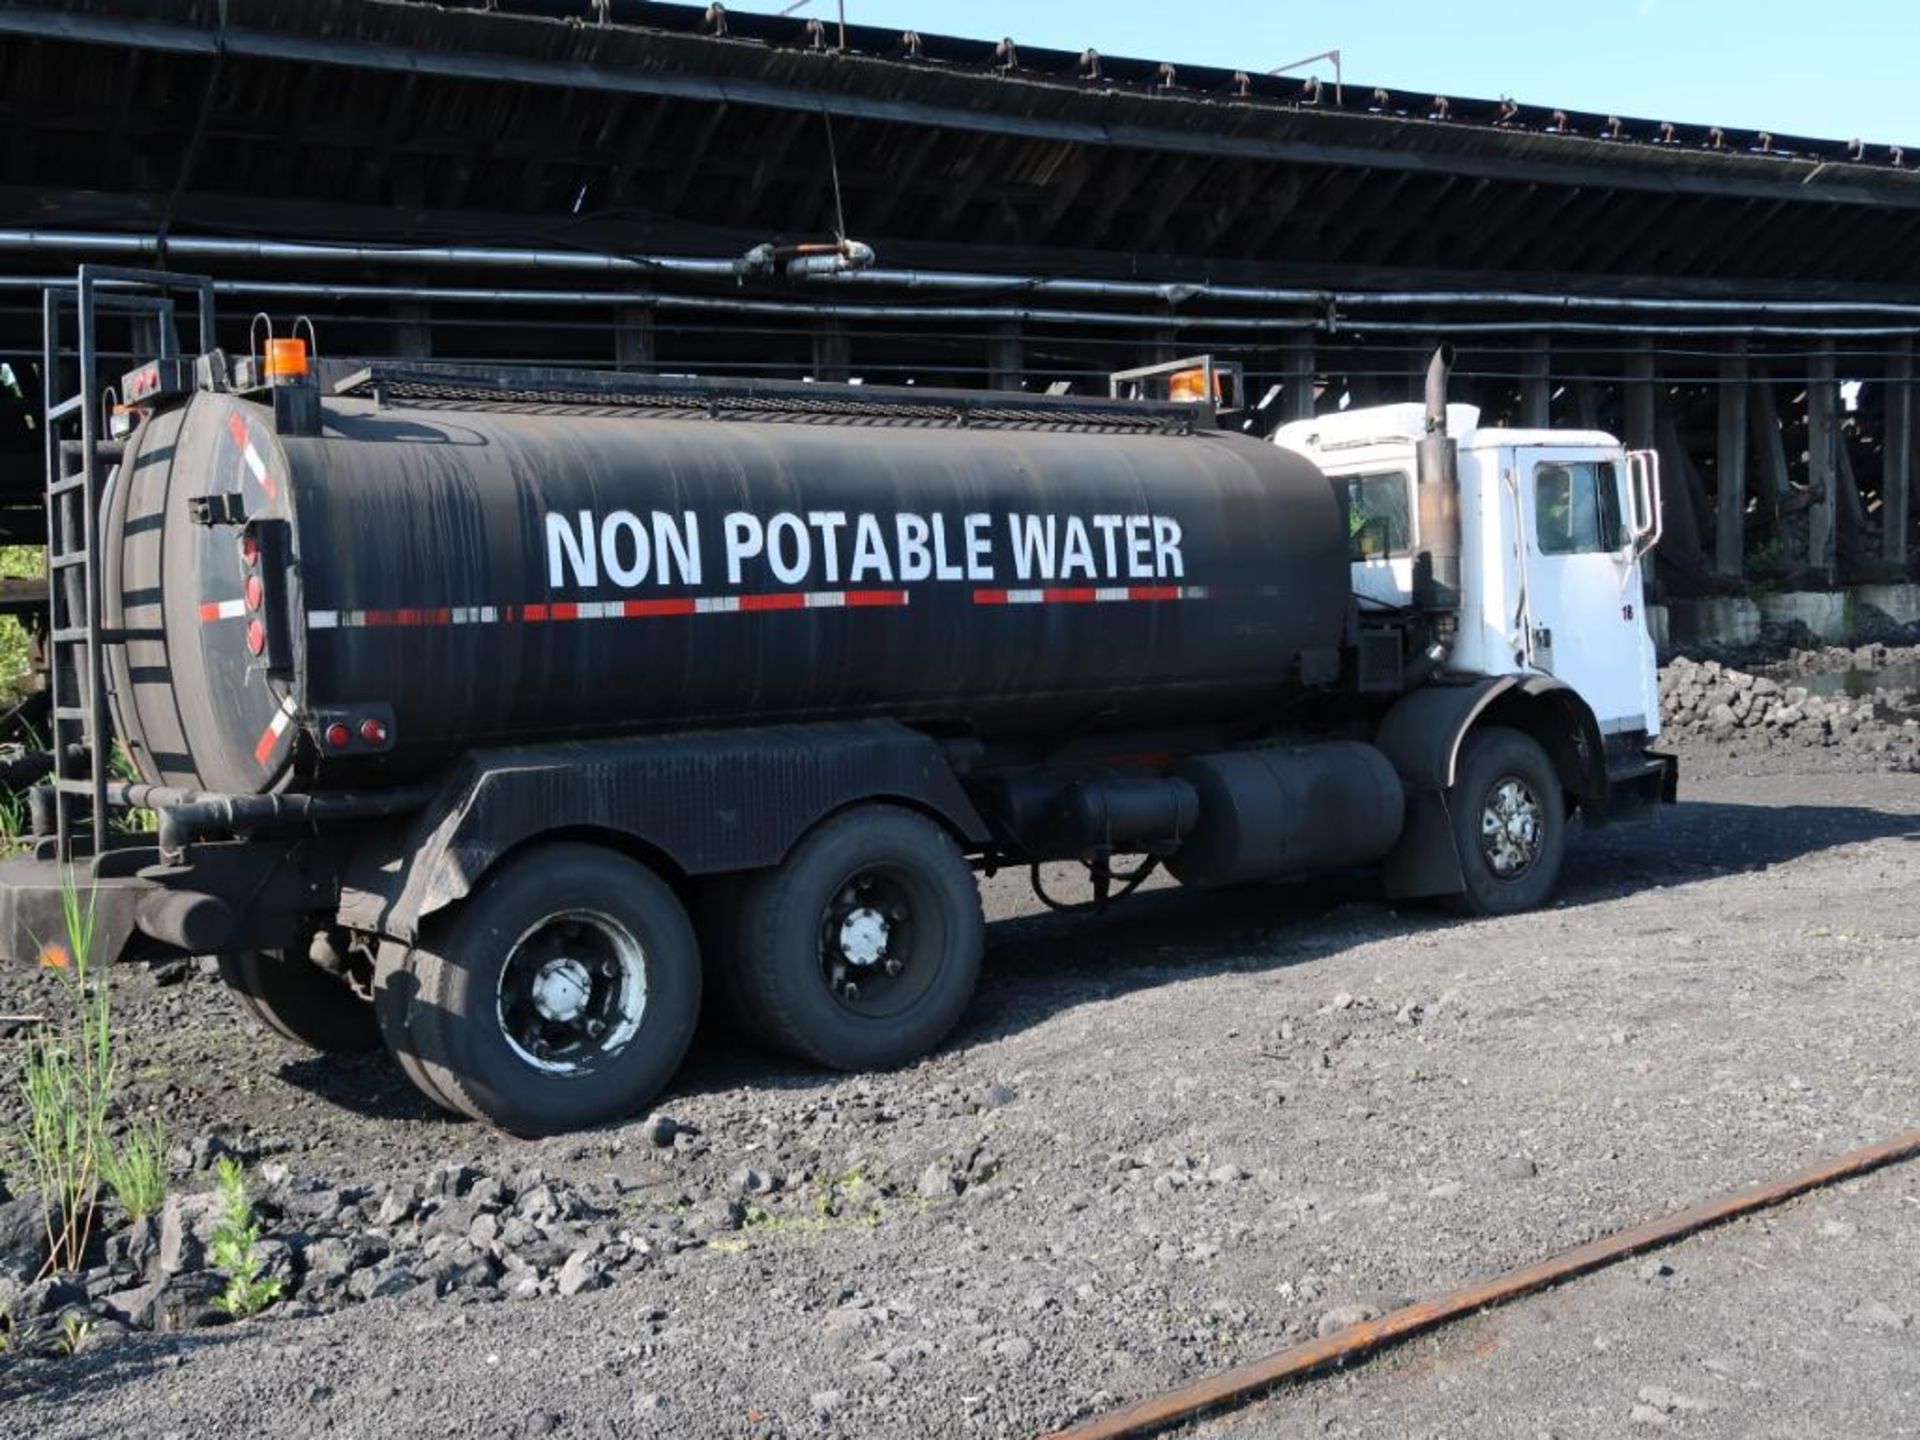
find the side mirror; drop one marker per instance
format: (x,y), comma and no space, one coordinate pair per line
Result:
(1643,500)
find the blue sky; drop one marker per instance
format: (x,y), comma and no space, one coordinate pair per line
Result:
(1835,71)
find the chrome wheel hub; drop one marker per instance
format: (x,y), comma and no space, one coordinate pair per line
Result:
(562,989)
(864,935)
(1511,828)
(572,992)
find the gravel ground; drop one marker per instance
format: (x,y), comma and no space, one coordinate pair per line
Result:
(1167,1140)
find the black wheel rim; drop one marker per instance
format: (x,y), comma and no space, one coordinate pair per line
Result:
(879,944)
(572,992)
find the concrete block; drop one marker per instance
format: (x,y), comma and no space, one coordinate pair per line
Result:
(1658,627)
(1722,620)
(1827,613)
(1899,603)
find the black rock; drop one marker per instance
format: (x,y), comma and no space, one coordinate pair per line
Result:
(23,1239)
(49,1297)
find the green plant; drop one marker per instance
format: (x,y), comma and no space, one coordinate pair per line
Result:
(131,821)
(67,1082)
(236,1247)
(74,1330)
(135,1168)
(17,562)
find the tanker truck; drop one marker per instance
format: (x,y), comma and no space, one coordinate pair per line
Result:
(498,715)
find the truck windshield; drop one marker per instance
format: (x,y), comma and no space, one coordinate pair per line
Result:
(1377,515)
(1576,507)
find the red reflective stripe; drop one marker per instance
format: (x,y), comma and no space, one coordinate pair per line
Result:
(263,752)
(649,609)
(875,599)
(210,610)
(750,603)
(563,612)
(266,484)
(1076,596)
(1153,592)
(533,612)
(989,597)
(237,428)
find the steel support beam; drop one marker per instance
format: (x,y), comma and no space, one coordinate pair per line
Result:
(1536,385)
(1296,395)
(1638,398)
(1896,485)
(1823,464)
(1006,358)
(635,344)
(1503,157)
(1730,468)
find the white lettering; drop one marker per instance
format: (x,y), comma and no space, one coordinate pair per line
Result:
(829,523)
(1033,537)
(611,529)
(746,537)
(576,549)
(1166,548)
(788,569)
(1107,525)
(1139,548)
(869,552)
(942,569)
(979,547)
(677,547)
(1077,549)
(916,560)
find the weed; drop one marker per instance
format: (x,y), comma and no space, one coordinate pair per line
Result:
(135,1169)
(67,1083)
(236,1247)
(17,562)
(74,1330)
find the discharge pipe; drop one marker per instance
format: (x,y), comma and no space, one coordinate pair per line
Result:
(1436,569)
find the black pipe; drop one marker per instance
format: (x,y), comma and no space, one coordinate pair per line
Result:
(189,815)
(1436,570)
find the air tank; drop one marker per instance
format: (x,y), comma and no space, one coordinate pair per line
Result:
(356,606)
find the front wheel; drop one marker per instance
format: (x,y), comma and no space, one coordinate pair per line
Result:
(861,950)
(562,994)
(1509,818)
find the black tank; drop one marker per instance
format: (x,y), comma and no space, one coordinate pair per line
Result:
(358,606)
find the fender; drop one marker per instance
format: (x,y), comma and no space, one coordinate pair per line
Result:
(1422,735)
(695,804)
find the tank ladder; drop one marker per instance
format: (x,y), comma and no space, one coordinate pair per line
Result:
(80,459)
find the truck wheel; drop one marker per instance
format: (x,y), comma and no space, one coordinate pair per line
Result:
(562,994)
(861,950)
(299,1001)
(393,985)
(1509,823)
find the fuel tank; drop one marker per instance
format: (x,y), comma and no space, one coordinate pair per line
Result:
(357,606)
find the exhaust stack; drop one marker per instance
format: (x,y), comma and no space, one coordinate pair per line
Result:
(1436,570)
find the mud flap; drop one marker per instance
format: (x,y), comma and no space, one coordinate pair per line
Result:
(1424,861)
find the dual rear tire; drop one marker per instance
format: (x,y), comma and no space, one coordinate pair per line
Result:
(564,992)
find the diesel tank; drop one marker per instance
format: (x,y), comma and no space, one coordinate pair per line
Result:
(410,580)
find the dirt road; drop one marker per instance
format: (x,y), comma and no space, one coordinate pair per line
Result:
(1166,1140)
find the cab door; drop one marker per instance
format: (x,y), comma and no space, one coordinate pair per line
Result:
(1589,517)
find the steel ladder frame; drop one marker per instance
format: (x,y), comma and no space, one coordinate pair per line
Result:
(81,741)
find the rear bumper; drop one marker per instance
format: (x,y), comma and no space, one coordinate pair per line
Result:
(33,911)
(1638,785)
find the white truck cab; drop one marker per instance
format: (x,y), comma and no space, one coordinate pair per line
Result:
(1554,526)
